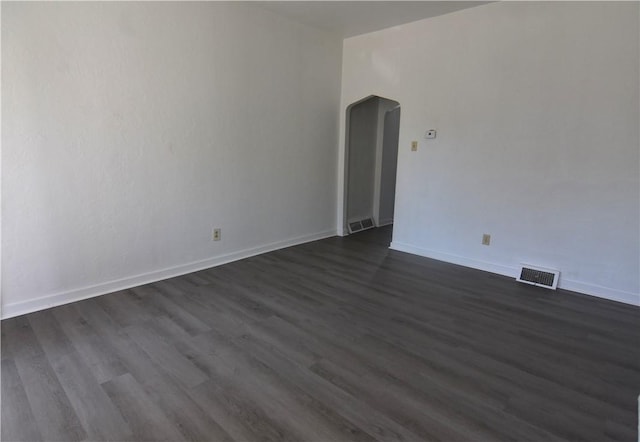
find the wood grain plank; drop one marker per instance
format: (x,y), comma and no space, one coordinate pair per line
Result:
(52,410)
(144,417)
(166,357)
(98,415)
(18,422)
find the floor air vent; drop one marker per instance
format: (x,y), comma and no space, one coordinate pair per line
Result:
(364,224)
(539,276)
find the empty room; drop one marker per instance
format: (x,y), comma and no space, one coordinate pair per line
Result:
(320,221)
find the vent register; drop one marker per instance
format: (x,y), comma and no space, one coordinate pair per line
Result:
(364,224)
(538,276)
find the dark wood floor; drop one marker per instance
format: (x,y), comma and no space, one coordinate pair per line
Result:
(340,339)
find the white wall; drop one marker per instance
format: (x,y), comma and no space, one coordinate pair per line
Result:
(536,107)
(131,129)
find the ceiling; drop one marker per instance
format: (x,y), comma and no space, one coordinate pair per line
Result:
(349,18)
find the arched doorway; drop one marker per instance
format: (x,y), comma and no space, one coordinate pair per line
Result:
(371,157)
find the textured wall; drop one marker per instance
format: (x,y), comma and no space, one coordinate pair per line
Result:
(131,129)
(536,106)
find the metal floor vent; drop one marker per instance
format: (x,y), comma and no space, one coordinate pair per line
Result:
(539,276)
(364,224)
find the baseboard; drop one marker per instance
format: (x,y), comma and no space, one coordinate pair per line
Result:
(455,259)
(600,292)
(385,222)
(53,300)
(575,286)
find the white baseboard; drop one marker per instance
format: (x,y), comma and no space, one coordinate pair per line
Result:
(600,292)
(455,259)
(55,299)
(385,222)
(575,286)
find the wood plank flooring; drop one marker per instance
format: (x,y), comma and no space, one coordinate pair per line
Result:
(339,339)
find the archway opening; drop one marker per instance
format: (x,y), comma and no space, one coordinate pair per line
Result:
(371,157)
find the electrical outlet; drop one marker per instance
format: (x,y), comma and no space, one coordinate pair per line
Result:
(486,239)
(414,146)
(217,234)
